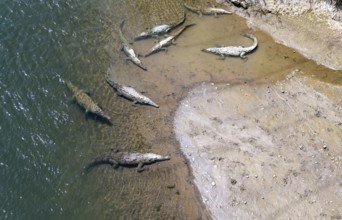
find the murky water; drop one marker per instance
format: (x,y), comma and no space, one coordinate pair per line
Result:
(46,139)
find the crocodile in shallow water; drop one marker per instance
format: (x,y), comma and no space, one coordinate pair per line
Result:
(158,30)
(207,10)
(237,51)
(161,45)
(130,93)
(128,159)
(128,50)
(86,102)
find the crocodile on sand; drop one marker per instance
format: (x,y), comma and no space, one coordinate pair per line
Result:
(237,51)
(207,10)
(161,45)
(130,93)
(158,30)
(86,102)
(128,50)
(128,159)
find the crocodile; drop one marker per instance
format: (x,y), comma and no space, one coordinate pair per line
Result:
(239,3)
(237,51)
(129,50)
(160,29)
(86,102)
(126,159)
(130,93)
(207,10)
(161,45)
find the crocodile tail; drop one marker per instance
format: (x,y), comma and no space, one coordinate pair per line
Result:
(95,163)
(250,36)
(190,7)
(154,104)
(189,25)
(112,83)
(149,53)
(96,109)
(104,116)
(142,67)
(183,29)
(122,24)
(182,19)
(108,118)
(90,166)
(253,38)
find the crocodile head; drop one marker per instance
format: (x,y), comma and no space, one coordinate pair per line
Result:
(70,85)
(142,36)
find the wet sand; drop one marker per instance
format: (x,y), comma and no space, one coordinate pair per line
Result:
(166,190)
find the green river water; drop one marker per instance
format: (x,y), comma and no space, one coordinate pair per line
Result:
(45,138)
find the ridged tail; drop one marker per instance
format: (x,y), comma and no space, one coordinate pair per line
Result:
(183,29)
(107,118)
(94,164)
(122,24)
(253,38)
(113,84)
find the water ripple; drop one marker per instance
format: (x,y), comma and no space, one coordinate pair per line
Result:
(41,43)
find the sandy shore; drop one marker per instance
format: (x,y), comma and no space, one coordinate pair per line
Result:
(265,152)
(270,150)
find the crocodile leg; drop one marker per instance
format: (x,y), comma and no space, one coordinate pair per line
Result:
(105,160)
(140,167)
(243,55)
(127,59)
(156,38)
(113,163)
(164,49)
(222,57)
